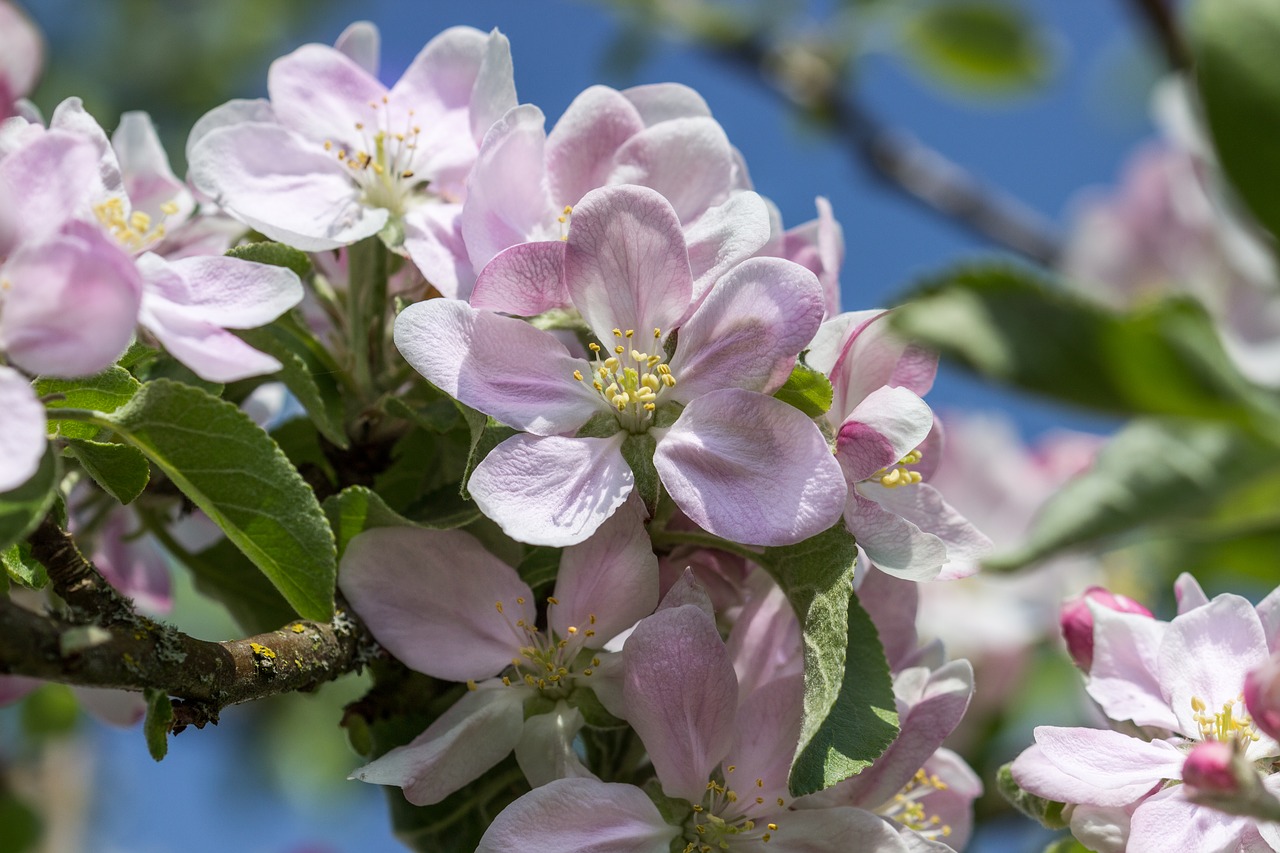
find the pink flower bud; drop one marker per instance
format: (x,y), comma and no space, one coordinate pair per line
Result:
(1210,768)
(1077,621)
(1262,696)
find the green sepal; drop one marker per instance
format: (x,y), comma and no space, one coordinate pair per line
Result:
(593,710)
(23,507)
(120,469)
(1046,812)
(486,434)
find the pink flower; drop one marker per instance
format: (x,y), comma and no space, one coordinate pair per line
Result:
(445,606)
(739,463)
(334,156)
(1077,620)
(818,246)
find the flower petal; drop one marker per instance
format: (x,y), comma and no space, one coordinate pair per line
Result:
(751,469)
(476,733)
(764,643)
(1189,594)
(552,490)
(688,160)
(44,183)
(723,237)
(749,330)
(827,829)
(433,239)
(923,506)
(524,280)
(892,604)
(504,367)
(324,95)
(666,101)
(436,599)
(625,262)
(1168,821)
(144,167)
(233,112)
(23,56)
(580,814)
(609,582)
(581,147)
(767,733)
(1123,678)
(887,425)
(22,441)
(1098,767)
(545,750)
(227,292)
(361,43)
(894,544)
(681,697)
(212,353)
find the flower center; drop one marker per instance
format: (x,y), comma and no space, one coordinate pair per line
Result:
(136,232)
(382,165)
(546,662)
(905,807)
(899,475)
(720,820)
(1226,725)
(629,380)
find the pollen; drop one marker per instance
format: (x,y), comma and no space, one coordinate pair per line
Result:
(899,475)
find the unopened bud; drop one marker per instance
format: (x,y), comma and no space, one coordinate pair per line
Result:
(1077,621)
(1262,696)
(1210,768)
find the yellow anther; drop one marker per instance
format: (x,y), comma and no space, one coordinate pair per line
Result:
(630,332)
(731,768)
(572,630)
(551,599)
(471,685)
(498,604)
(617,333)
(772,826)
(577,374)
(619,349)
(593,347)
(169,208)
(611,364)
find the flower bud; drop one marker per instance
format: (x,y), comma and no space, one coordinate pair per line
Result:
(1210,768)
(1077,621)
(1262,696)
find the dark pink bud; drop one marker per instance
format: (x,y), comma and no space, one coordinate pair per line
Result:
(1262,696)
(1210,768)
(1077,621)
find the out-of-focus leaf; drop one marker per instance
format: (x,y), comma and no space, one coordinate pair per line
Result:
(1046,812)
(1153,471)
(21,824)
(1067,845)
(226,575)
(849,715)
(978,44)
(1236,43)
(102,392)
(50,712)
(120,469)
(233,471)
(808,390)
(1007,323)
(21,509)
(156,725)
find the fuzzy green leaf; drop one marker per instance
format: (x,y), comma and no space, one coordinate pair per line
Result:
(356,509)
(233,471)
(273,254)
(22,567)
(808,390)
(102,392)
(121,470)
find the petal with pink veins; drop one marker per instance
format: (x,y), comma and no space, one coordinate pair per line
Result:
(226,292)
(1167,821)
(44,183)
(582,145)
(433,239)
(144,167)
(437,600)
(824,830)
(552,490)
(1123,677)
(525,280)
(751,469)
(658,102)
(212,353)
(688,160)
(723,237)
(1099,767)
(764,643)
(923,505)
(766,735)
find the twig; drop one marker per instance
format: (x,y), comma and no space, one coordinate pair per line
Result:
(1163,27)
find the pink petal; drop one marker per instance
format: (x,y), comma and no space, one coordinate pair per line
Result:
(133,563)
(322,94)
(765,642)
(1167,822)
(894,544)
(873,356)
(1187,591)
(924,506)
(437,600)
(476,733)
(461,70)
(1100,767)
(226,292)
(581,147)
(657,102)
(688,160)
(1206,653)
(494,92)
(233,112)
(45,183)
(1269,615)
(507,200)
(819,247)
(545,749)
(681,697)
(212,353)
(72,304)
(887,425)
(892,604)
(524,280)
(830,829)
(580,814)
(433,239)
(751,469)
(626,266)
(504,367)
(21,53)
(15,687)
(1123,677)
(292,191)
(609,582)
(552,491)
(749,330)
(723,237)
(22,441)
(766,736)
(144,167)
(361,43)
(687,590)
(121,708)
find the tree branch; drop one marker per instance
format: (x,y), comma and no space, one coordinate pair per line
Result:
(1163,26)
(102,642)
(922,173)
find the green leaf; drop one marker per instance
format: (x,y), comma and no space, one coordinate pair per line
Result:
(103,392)
(306,369)
(1152,471)
(1007,323)
(156,725)
(849,715)
(21,509)
(225,574)
(978,44)
(356,509)
(273,254)
(1235,43)
(122,471)
(1046,812)
(22,828)
(233,471)
(1066,845)
(808,390)
(438,416)
(638,451)
(22,567)
(486,434)
(50,712)
(540,566)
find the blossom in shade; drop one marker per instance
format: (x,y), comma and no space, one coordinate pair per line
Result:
(445,606)
(737,462)
(887,446)
(334,156)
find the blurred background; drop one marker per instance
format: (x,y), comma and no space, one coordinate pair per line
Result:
(1036,100)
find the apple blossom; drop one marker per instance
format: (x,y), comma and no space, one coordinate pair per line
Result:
(1077,620)
(739,463)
